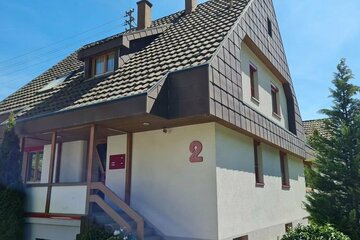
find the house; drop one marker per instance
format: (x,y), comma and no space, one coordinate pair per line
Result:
(186,127)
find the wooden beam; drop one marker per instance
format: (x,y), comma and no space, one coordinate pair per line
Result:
(58,163)
(128,165)
(90,160)
(24,159)
(51,171)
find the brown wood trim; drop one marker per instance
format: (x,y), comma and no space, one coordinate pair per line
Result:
(24,159)
(109,211)
(31,185)
(53,215)
(58,162)
(125,207)
(90,160)
(69,184)
(129,148)
(51,171)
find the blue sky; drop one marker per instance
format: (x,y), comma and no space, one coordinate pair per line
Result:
(36,34)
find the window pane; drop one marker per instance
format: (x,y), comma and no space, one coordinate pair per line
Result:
(274,101)
(39,168)
(99,69)
(32,167)
(111,63)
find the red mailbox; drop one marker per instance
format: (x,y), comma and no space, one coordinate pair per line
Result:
(117,161)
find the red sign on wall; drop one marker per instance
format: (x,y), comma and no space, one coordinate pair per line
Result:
(117,161)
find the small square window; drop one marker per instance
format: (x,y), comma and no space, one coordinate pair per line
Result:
(269,27)
(288,227)
(242,238)
(254,85)
(104,64)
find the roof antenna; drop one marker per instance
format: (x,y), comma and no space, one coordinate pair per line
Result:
(231,3)
(130,21)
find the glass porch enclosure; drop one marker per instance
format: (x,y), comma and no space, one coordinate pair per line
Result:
(57,168)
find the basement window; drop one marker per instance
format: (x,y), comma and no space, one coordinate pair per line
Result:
(269,27)
(55,83)
(103,64)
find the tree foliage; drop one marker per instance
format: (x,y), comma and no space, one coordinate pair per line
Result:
(315,232)
(11,192)
(336,170)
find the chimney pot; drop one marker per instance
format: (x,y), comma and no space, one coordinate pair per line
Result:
(190,6)
(144,14)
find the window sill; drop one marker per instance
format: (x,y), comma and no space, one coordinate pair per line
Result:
(260,185)
(286,187)
(277,116)
(100,76)
(255,100)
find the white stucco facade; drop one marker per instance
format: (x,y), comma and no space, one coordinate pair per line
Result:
(265,80)
(175,195)
(54,229)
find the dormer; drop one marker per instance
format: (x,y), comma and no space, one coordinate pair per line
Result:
(107,55)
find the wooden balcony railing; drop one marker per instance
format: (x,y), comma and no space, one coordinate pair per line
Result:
(93,198)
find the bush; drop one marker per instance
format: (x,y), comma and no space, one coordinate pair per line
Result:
(94,233)
(11,214)
(314,232)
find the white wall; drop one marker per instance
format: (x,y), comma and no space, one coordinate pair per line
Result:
(54,229)
(244,208)
(72,165)
(68,200)
(73,157)
(175,195)
(115,179)
(265,79)
(35,199)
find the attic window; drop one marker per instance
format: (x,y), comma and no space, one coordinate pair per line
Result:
(55,83)
(269,27)
(103,64)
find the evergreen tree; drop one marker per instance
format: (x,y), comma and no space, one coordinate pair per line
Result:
(11,192)
(336,172)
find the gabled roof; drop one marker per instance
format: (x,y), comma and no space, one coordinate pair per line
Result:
(191,40)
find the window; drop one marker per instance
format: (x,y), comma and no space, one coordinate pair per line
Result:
(104,64)
(242,238)
(35,160)
(284,170)
(288,227)
(254,82)
(259,175)
(269,27)
(55,82)
(275,100)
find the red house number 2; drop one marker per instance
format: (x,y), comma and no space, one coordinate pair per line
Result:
(195,148)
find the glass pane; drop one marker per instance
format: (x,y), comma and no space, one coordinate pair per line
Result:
(99,69)
(111,63)
(32,167)
(39,169)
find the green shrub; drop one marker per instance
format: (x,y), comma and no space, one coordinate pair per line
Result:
(94,233)
(11,214)
(314,232)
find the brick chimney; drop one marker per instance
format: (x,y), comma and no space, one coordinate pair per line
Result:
(144,14)
(190,6)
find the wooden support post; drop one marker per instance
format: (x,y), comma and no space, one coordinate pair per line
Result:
(24,159)
(51,171)
(128,168)
(90,160)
